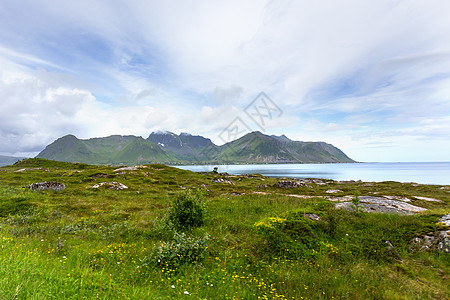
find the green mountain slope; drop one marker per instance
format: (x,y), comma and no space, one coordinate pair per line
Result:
(169,148)
(109,150)
(256,147)
(70,149)
(185,147)
(140,151)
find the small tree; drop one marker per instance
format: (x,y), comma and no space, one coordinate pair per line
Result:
(186,210)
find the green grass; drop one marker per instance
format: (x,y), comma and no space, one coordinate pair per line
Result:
(84,243)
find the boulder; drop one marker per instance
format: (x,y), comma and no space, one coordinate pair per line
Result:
(47,186)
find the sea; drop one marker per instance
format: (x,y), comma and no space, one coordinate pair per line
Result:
(420,172)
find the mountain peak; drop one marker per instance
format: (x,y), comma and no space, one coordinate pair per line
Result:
(162,132)
(281,138)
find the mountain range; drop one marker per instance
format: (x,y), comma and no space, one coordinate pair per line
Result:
(8,160)
(169,148)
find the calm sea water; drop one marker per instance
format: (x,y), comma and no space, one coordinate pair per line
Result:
(425,173)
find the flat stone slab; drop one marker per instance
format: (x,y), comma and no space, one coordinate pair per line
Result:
(399,198)
(31,169)
(132,168)
(333,191)
(427,199)
(381,205)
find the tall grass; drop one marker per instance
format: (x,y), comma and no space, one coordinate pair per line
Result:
(83,243)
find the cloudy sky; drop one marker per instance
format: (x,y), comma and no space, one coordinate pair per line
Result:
(370,77)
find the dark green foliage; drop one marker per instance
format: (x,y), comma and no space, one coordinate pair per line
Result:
(181,250)
(355,199)
(186,210)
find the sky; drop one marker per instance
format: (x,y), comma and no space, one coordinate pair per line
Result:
(370,77)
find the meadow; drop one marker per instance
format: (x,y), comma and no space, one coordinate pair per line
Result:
(176,234)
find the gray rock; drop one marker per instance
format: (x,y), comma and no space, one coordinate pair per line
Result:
(290,184)
(132,168)
(47,186)
(31,169)
(313,217)
(438,241)
(381,205)
(113,185)
(445,219)
(100,175)
(221,180)
(427,199)
(333,191)
(399,198)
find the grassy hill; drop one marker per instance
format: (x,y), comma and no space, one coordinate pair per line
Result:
(254,241)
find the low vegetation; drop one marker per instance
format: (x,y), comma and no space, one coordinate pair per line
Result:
(175,234)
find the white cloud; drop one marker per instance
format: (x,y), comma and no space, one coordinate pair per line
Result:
(347,72)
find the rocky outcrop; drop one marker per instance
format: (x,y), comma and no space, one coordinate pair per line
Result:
(427,199)
(47,186)
(332,191)
(438,240)
(132,168)
(31,169)
(113,185)
(221,180)
(312,217)
(290,184)
(100,175)
(445,219)
(381,205)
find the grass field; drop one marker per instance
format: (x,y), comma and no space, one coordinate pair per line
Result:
(100,243)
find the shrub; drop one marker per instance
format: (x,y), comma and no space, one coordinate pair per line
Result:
(187,210)
(289,236)
(181,250)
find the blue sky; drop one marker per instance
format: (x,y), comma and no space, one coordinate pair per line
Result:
(370,77)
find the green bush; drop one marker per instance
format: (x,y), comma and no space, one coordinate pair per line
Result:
(181,250)
(291,236)
(187,210)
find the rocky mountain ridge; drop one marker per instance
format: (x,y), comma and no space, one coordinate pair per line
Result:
(169,148)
